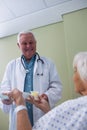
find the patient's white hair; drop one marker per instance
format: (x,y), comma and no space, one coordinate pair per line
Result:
(80,61)
(24,32)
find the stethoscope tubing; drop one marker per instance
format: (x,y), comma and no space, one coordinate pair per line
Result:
(39,59)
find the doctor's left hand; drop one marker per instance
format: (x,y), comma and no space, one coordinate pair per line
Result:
(7,101)
(16,96)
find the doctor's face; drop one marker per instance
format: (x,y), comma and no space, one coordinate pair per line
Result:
(27,45)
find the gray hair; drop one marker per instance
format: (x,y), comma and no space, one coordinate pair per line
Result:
(80,61)
(24,32)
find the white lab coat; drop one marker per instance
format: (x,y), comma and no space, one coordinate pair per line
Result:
(49,83)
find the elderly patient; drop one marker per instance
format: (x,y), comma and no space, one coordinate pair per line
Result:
(70,115)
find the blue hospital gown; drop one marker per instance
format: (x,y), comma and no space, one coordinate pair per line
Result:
(70,115)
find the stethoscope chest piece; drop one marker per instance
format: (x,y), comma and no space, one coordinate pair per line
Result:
(27,71)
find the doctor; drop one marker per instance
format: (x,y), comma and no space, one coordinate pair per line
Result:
(30,72)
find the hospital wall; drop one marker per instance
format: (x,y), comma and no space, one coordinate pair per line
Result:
(60,42)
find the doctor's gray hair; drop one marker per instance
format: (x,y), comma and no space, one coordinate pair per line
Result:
(80,61)
(24,32)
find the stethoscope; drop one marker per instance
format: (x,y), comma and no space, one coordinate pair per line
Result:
(38,60)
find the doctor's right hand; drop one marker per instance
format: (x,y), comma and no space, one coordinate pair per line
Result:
(7,101)
(4,97)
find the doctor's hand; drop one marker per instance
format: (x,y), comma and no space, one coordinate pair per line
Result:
(7,101)
(16,96)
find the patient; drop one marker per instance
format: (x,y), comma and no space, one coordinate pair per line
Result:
(70,115)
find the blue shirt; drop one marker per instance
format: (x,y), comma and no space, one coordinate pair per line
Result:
(28,84)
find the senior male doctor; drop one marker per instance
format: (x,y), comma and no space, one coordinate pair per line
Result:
(30,72)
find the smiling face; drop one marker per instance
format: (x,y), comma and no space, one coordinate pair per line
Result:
(27,45)
(80,85)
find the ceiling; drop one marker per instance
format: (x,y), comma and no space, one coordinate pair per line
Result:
(20,15)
